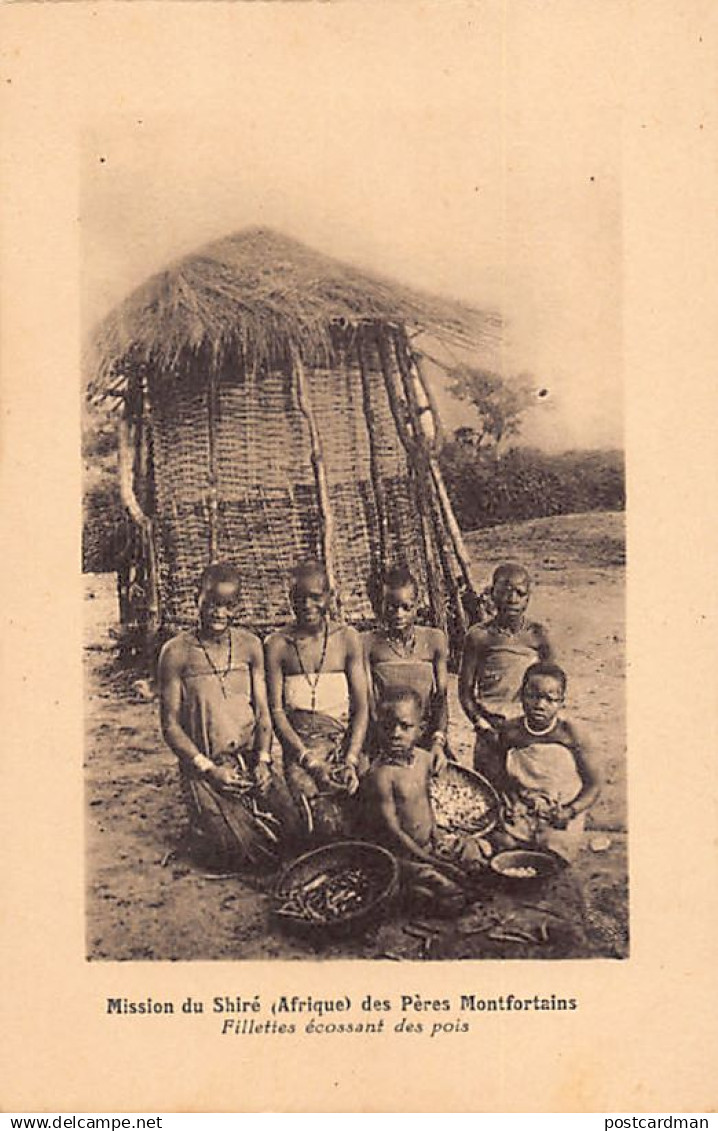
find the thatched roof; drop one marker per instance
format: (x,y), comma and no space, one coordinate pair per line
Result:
(263,293)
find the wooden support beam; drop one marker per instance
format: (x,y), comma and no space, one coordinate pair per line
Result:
(416,360)
(326,518)
(432,550)
(125,461)
(212,493)
(426,461)
(417,460)
(457,538)
(374,468)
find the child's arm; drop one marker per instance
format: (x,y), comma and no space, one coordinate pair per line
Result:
(440,702)
(387,817)
(472,661)
(171,665)
(367,639)
(358,692)
(503,783)
(263,730)
(386,820)
(589,775)
(544,646)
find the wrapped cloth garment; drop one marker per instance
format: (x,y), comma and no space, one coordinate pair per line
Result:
(410,672)
(323,806)
(498,689)
(543,775)
(217,710)
(231,830)
(217,713)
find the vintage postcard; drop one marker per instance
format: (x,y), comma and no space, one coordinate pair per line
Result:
(356,636)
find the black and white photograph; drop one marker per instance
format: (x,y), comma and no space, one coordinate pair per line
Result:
(353,540)
(359,636)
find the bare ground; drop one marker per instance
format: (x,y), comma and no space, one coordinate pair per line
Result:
(147,900)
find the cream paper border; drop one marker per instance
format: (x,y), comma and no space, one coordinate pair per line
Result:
(644,1036)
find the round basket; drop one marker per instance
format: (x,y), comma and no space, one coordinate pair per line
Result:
(300,892)
(536,866)
(464,801)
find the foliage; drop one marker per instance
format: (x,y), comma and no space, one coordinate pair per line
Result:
(102,512)
(103,528)
(526,483)
(500,405)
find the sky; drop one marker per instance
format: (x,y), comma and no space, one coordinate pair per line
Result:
(461,148)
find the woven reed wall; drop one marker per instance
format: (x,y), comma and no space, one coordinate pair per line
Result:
(267,516)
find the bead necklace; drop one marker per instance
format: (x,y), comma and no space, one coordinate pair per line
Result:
(402,650)
(221,676)
(507,630)
(312,678)
(404,759)
(540,733)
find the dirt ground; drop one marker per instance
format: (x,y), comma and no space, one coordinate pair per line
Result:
(147,900)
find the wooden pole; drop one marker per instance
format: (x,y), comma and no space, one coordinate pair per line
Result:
(326,518)
(125,459)
(396,401)
(418,460)
(154,601)
(212,501)
(427,463)
(431,549)
(124,465)
(415,358)
(452,525)
(374,469)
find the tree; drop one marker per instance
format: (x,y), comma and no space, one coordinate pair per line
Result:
(499,403)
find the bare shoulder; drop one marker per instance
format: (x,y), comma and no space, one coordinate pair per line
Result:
(511,731)
(381,778)
(350,637)
(423,759)
(174,652)
(538,630)
(476,639)
(345,630)
(248,642)
(276,644)
(434,637)
(573,733)
(368,640)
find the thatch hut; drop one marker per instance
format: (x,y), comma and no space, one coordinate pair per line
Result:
(274,408)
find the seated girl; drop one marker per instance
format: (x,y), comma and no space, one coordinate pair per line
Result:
(548,775)
(317,695)
(400,653)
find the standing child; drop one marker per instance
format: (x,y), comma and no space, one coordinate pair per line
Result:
(397,808)
(548,775)
(401,653)
(494,660)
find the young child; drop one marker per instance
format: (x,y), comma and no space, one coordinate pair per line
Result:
(548,776)
(494,660)
(397,808)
